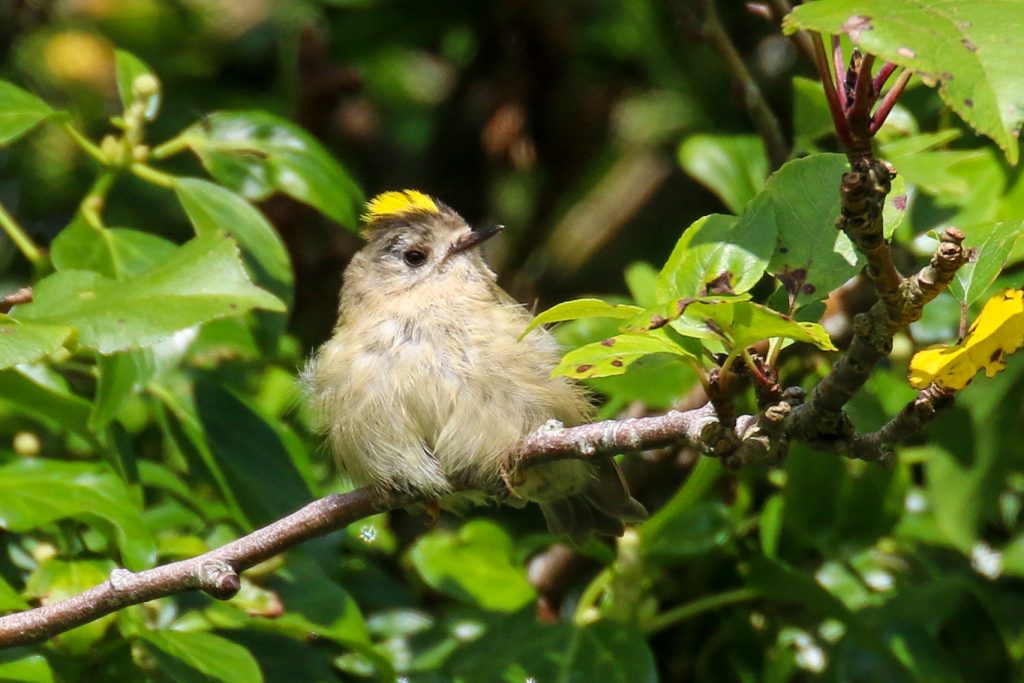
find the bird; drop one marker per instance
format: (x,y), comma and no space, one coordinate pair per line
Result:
(428,384)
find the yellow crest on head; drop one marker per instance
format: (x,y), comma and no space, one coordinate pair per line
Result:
(388,204)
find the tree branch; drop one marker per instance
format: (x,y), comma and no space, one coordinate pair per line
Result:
(217,572)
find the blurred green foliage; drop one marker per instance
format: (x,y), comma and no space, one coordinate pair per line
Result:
(149,409)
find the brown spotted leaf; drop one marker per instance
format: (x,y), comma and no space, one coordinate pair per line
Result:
(969,50)
(614,355)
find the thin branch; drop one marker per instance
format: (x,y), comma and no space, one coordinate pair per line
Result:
(889,101)
(216,572)
(882,76)
(20,238)
(822,417)
(802,39)
(835,107)
(840,67)
(20,296)
(911,419)
(761,114)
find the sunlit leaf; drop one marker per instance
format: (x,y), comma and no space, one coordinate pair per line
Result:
(202,280)
(961,46)
(211,209)
(993,244)
(25,342)
(799,205)
(256,153)
(614,355)
(475,564)
(997,332)
(719,250)
(113,252)
(21,665)
(36,492)
(582,308)
(20,111)
(212,657)
(734,167)
(57,579)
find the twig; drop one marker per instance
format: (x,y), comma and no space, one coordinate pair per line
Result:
(20,238)
(912,419)
(835,107)
(882,113)
(216,572)
(802,39)
(21,296)
(882,76)
(764,118)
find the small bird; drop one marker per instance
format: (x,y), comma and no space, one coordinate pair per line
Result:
(426,388)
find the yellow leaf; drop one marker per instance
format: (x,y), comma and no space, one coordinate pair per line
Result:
(998,332)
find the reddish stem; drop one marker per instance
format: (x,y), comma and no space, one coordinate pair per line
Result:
(835,108)
(882,76)
(889,101)
(840,67)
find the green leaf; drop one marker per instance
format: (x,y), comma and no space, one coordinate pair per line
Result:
(993,243)
(689,533)
(718,249)
(113,252)
(642,282)
(35,492)
(811,118)
(734,167)
(614,355)
(212,208)
(250,455)
(203,280)
(964,47)
(20,111)
(256,153)
(675,312)
(747,323)
(211,656)
(57,579)
(25,342)
(519,648)
(10,599)
(657,532)
(20,665)
(582,308)
(120,376)
(799,205)
(476,564)
(44,395)
(128,68)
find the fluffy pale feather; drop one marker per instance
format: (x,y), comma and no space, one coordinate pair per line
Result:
(425,386)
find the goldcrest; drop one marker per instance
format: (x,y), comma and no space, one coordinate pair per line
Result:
(426,388)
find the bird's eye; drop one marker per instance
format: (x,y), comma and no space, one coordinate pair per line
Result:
(414,258)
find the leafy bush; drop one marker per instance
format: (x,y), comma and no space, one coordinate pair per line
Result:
(148,393)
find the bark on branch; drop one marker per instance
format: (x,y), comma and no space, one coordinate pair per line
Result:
(217,572)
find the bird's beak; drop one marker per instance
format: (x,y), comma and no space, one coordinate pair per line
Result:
(474,238)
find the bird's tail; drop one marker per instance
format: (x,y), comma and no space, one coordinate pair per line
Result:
(604,506)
